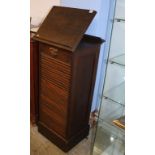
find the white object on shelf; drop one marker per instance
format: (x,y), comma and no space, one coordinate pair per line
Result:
(34,29)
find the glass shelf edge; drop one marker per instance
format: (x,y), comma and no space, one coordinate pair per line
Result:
(113,62)
(119,20)
(107,98)
(112,95)
(119,60)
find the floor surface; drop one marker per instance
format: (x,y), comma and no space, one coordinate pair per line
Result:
(39,145)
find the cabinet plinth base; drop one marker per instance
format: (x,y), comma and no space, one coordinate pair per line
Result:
(63,144)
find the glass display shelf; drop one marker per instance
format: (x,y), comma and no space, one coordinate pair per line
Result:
(110,111)
(116,94)
(108,141)
(110,130)
(119,60)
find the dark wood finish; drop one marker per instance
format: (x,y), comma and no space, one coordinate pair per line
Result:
(64,27)
(66,76)
(33,81)
(66,83)
(83,81)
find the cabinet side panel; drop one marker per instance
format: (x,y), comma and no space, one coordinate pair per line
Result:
(33,81)
(83,79)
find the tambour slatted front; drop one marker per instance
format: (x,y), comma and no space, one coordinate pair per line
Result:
(67,70)
(55,82)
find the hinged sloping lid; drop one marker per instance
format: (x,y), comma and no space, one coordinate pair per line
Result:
(64,27)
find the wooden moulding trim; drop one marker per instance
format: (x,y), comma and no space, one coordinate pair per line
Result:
(63,144)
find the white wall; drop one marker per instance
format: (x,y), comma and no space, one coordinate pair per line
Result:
(40,8)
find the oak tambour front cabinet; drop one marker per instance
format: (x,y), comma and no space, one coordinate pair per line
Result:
(67,70)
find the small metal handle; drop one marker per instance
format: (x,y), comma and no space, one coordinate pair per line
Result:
(53,51)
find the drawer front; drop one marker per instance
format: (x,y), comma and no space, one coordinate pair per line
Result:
(58,54)
(52,119)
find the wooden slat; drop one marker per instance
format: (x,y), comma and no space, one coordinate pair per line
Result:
(52,119)
(50,90)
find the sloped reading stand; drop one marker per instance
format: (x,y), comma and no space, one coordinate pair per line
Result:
(67,71)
